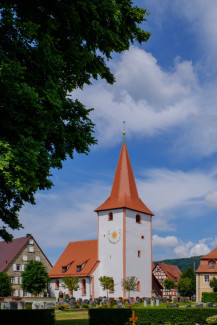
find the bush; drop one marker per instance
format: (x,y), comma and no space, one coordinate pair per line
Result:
(85,306)
(209,296)
(26,317)
(153,316)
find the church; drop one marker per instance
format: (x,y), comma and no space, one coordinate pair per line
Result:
(123,247)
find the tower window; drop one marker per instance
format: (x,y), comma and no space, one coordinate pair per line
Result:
(138,286)
(139,254)
(110,216)
(138,218)
(142,237)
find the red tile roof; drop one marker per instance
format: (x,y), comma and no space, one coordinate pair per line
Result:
(204,262)
(124,192)
(8,251)
(172,271)
(76,254)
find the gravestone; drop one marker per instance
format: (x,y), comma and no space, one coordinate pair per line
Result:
(49,305)
(86,301)
(152,302)
(200,305)
(145,302)
(111,302)
(131,301)
(188,306)
(80,302)
(126,301)
(175,305)
(13,305)
(157,302)
(119,304)
(36,305)
(72,303)
(209,304)
(164,300)
(101,303)
(5,305)
(139,300)
(20,304)
(182,299)
(175,300)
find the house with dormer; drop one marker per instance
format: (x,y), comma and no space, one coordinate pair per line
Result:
(123,247)
(205,272)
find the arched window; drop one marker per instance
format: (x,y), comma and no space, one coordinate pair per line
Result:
(138,218)
(110,216)
(138,286)
(211,264)
(83,287)
(57,284)
(139,254)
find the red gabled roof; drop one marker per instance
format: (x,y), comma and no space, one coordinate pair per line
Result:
(124,192)
(172,271)
(211,255)
(76,254)
(8,251)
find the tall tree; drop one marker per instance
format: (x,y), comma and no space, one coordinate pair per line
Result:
(71,283)
(48,49)
(6,289)
(106,283)
(129,284)
(190,274)
(34,278)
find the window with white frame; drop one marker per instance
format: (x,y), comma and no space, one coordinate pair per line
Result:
(31,241)
(12,279)
(25,258)
(16,280)
(206,277)
(37,258)
(31,249)
(17,267)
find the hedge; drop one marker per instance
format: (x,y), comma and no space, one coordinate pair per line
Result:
(27,317)
(151,316)
(209,296)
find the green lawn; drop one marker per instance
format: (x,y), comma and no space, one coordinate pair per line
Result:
(71,318)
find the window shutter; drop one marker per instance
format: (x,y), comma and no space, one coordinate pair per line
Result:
(14,267)
(22,267)
(21,293)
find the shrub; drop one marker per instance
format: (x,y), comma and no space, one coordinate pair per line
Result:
(153,316)
(85,306)
(209,296)
(26,317)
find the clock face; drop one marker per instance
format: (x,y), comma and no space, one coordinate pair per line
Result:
(114,236)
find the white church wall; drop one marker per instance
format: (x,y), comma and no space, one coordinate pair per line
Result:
(138,238)
(111,249)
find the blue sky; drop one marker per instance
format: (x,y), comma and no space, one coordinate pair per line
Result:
(165,90)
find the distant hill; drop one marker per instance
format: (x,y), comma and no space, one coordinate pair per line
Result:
(183,263)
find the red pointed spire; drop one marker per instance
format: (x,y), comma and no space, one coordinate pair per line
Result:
(124,192)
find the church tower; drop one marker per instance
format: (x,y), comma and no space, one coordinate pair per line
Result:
(125,233)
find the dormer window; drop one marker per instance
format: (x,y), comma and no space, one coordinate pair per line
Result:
(138,218)
(110,216)
(65,268)
(80,267)
(211,264)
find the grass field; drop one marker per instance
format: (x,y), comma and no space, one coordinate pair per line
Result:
(71,318)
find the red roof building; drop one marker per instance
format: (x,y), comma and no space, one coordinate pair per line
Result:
(164,271)
(205,272)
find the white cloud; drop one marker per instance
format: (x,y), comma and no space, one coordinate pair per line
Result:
(168,241)
(211,199)
(191,249)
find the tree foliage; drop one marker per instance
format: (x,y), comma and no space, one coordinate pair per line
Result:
(107,283)
(72,283)
(188,287)
(35,278)
(6,289)
(169,284)
(213,284)
(48,49)
(129,284)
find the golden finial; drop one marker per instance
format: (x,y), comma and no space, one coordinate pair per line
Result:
(124,132)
